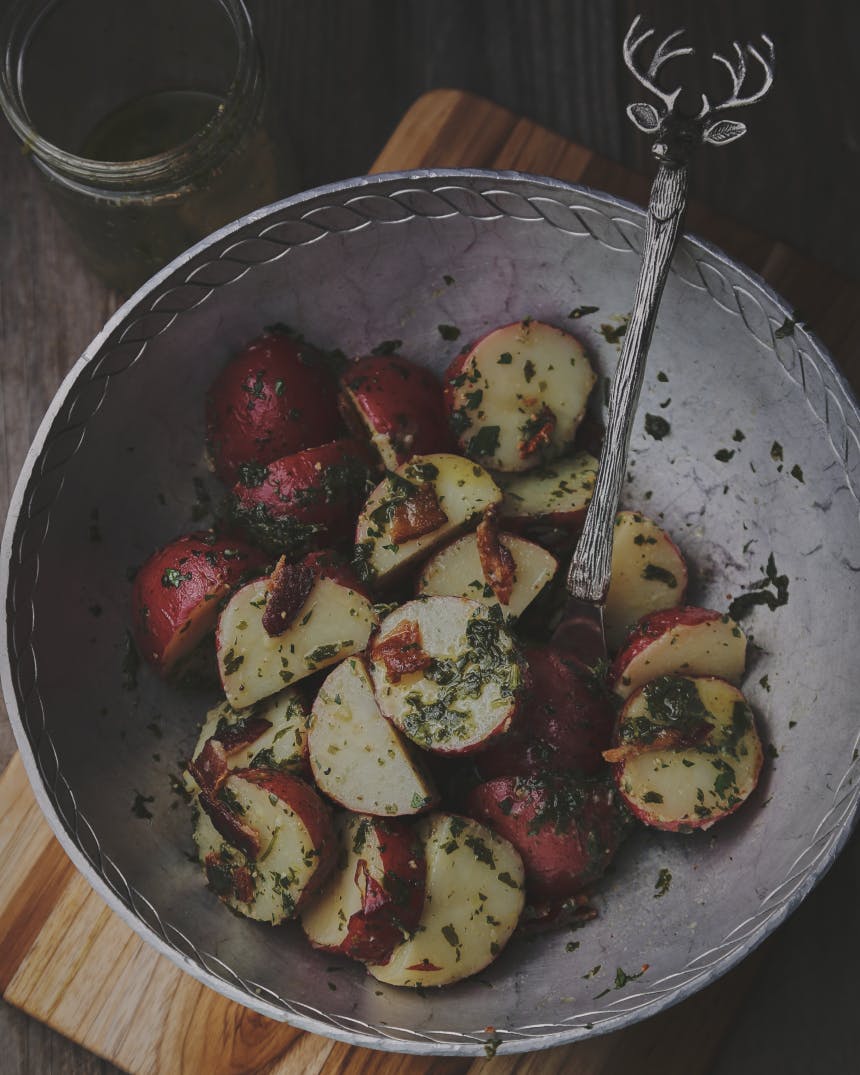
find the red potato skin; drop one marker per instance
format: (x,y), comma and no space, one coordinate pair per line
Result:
(270,400)
(399,401)
(564,723)
(563,857)
(311,810)
(653,626)
(294,486)
(176,593)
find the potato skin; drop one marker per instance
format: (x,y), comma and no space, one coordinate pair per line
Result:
(305,500)
(176,592)
(566,830)
(400,403)
(270,400)
(564,724)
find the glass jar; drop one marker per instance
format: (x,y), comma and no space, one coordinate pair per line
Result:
(147,120)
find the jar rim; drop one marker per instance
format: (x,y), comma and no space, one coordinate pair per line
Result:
(145,170)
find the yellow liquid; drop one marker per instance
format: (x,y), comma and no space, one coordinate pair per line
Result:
(150,125)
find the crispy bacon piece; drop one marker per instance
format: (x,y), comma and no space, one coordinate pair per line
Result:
(235,831)
(420,514)
(537,431)
(496,560)
(669,739)
(243,885)
(401,652)
(288,586)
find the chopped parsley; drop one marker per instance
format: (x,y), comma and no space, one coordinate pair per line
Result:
(772,591)
(485,441)
(661,885)
(656,426)
(449,332)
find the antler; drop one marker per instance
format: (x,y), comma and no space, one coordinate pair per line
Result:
(662,55)
(738,73)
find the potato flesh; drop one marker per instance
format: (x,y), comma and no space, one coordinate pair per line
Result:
(456,571)
(641,549)
(282,746)
(464,491)
(334,623)
(288,859)
(714,648)
(445,624)
(358,759)
(562,489)
(511,377)
(326,918)
(696,785)
(473,899)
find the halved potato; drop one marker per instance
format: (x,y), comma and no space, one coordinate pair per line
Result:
(271,734)
(648,574)
(265,839)
(680,641)
(472,903)
(557,495)
(422,504)
(457,571)
(333,622)
(714,765)
(374,896)
(447,673)
(516,398)
(358,759)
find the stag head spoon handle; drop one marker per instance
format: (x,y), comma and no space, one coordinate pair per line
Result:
(677,138)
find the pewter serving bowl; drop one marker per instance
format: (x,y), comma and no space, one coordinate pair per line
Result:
(112,475)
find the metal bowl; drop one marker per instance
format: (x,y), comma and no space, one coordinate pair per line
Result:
(116,470)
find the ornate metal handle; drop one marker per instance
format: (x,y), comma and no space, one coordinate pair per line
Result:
(678,137)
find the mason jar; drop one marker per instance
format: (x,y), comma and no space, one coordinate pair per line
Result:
(147,120)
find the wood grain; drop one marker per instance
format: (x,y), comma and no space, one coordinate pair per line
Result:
(70,962)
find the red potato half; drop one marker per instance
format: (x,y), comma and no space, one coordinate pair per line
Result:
(515,400)
(566,830)
(271,734)
(177,591)
(418,507)
(557,495)
(472,904)
(332,622)
(563,724)
(358,759)
(272,399)
(304,501)
(266,842)
(374,897)
(447,673)
(457,571)
(680,641)
(648,574)
(687,787)
(398,404)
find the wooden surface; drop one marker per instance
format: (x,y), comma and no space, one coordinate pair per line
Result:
(68,961)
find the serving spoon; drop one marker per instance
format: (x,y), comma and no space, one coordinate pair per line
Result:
(581,629)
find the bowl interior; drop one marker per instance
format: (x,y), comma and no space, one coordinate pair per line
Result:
(762,458)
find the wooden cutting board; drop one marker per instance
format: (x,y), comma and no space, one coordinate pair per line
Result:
(67,960)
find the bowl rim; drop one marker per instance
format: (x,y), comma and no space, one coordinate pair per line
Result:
(424,1046)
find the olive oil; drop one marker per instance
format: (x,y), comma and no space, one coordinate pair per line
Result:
(151,125)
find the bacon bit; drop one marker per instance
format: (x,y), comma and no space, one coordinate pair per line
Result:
(670,739)
(243,885)
(537,431)
(425,964)
(241,734)
(401,652)
(209,768)
(288,586)
(417,516)
(373,896)
(496,560)
(235,831)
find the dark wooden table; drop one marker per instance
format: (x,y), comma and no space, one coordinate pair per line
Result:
(342,74)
